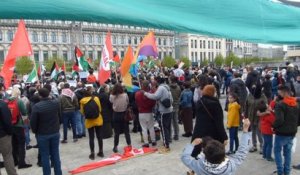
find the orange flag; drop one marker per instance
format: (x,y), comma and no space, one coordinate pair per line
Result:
(106,58)
(20,46)
(126,63)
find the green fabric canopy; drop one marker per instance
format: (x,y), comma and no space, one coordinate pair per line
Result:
(262,21)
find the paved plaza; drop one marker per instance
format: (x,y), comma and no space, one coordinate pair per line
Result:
(74,155)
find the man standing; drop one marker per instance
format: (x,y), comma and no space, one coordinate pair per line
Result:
(175,91)
(165,108)
(285,127)
(5,138)
(45,119)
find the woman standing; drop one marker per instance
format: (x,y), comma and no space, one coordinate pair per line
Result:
(209,118)
(186,99)
(120,102)
(94,125)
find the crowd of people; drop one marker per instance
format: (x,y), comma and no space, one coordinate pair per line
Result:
(265,100)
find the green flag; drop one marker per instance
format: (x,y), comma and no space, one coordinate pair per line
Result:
(33,76)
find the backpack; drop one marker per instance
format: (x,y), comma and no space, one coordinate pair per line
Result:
(14,110)
(91,109)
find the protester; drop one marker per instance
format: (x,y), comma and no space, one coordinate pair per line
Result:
(233,122)
(267,118)
(120,102)
(175,91)
(145,107)
(267,87)
(6,132)
(214,160)
(80,125)
(165,108)
(296,86)
(91,79)
(186,100)
(45,121)
(90,107)
(285,128)
(209,119)
(69,103)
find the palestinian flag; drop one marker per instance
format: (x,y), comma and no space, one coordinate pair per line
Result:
(54,71)
(33,76)
(81,62)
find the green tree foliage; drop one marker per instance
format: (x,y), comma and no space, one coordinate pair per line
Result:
(204,62)
(49,62)
(24,65)
(168,61)
(232,58)
(219,60)
(187,62)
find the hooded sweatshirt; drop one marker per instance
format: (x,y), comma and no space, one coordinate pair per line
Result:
(286,117)
(228,167)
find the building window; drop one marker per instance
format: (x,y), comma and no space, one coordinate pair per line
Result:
(36,56)
(35,37)
(122,54)
(213,55)
(171,42)
(1,56)
(99,39)
(46,56)
(165,54)
(204,44)
(45,37)
(90,54)
(159,55)
(135,41)
(212,44)
(1,36)
(192,43)
(200,44)
(10,35)
(122,40)
(165,42)
(90,38)
(219,44)
(83,38)
(208,42)
(99,54)
(54,54)
(196,43)
(65,55)
(192,55)
(159,41)
(53,37)
(114,40)
(129,40)
(209,56)
(196,57)
(170,53)
(64,37)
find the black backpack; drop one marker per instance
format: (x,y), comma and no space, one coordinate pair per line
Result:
(91,109)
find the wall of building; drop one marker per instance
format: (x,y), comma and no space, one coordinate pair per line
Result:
(58,38)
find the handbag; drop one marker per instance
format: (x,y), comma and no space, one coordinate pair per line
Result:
(129,115)
(207,110)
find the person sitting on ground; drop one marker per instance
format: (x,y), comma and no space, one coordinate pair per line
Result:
(213,160)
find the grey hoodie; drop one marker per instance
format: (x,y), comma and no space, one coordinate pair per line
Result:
(227,167)
(162,92)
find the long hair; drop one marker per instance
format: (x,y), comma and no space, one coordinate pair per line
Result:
(117,90)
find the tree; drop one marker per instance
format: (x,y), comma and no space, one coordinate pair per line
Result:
(49,62)
(187,62)
(204,62)
(219,60)
(24,65)
(168,61)
(232,58)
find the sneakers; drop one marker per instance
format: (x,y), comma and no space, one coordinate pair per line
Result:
(92,156)
(253,149)
(100,154)
(24,166)
(64,141)
(270,159)
(164,150)
(115,149)
(296,167)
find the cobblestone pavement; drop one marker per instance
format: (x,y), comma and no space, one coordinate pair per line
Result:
(76,154)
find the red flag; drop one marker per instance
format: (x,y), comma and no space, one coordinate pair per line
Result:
(63,67)
(106,58)
(116,57)
(19,47)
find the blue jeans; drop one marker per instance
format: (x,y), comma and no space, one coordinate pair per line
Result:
(69,117)
(284,143)
(80,127)
(234,139)
(268,146)
(49,146)
(27,134)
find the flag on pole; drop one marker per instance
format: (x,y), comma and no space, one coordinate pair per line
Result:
(127,61)
(81,62)
(20,46)
(33,76)
(54,71)
(106,58)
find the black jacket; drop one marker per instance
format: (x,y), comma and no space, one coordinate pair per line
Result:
(238,87)
(252,79)
(286,119)
(106,107)
(5,120)
(45,117)
(207,125)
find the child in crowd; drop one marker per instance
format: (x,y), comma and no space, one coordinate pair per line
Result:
(267,118)
(233,122)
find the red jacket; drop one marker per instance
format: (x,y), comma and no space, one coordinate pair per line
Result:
(144,104)
(266,121)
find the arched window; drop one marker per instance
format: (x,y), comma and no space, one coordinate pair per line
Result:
(45,37)
(90,38)
(10,35)
(35,36)
(64,37)
(99,39)
(164,42)
(135,40)
(53,37)
(159,41)
(122,40)
(1,37)
(129,40)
